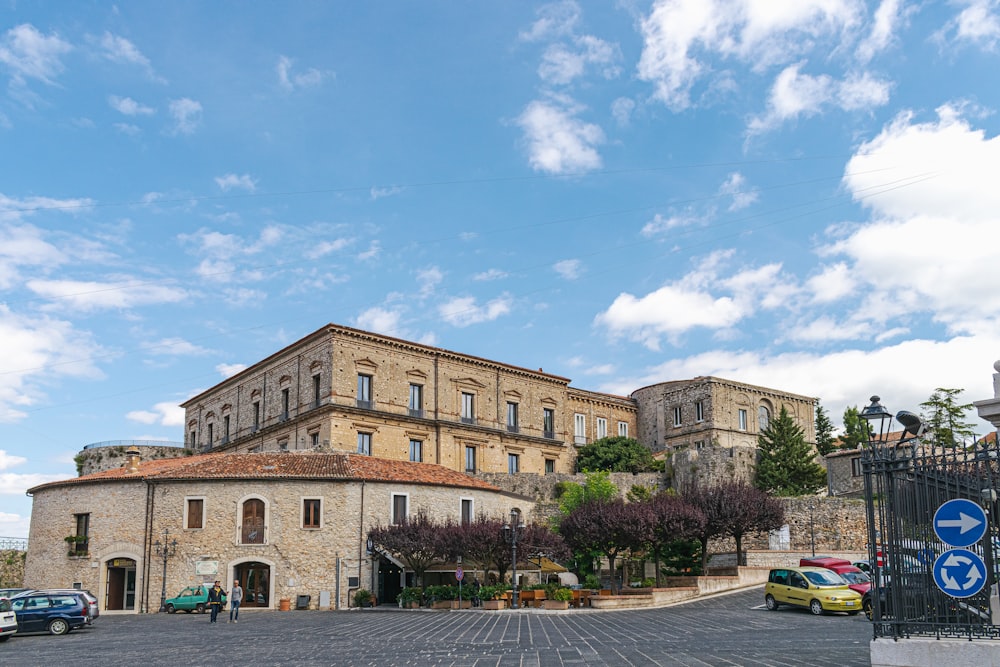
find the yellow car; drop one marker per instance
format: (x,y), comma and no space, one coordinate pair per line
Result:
(816,588)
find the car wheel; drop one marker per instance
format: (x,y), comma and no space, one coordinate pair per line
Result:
(200,608)
(816,607)
(770,602)
(58,626)
(866,606)
(170,609)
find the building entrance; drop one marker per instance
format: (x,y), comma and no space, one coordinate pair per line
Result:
(255,578)
(389,581)
(120,590)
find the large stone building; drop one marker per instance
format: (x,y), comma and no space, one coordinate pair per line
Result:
(284,524)
(345,390)
(300,454)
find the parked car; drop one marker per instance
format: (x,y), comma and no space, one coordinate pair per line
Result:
(93,608)
(857,579)
(8,620)
(192,598)
(55,613)
(8,593)
(818,589)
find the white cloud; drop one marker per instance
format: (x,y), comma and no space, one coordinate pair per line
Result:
(174,347)
(120,50)
(221,252)
(736,187)
(557,19)
(128,129)
(128,106)
(232,182)
(559,142)
(428,279)
(660,225)
(833,283)
(373,250)
(28,54)
(186,114)
(317,250)
(9,460)
(379,193)
(464,311)
(678,34)
(978,23)
(290,81)
(379,320)
(562,62)
(888,16)
(621,110)
(87,296)
(164,414)
(569,269)
(229,370)
(16,485)
(490,274)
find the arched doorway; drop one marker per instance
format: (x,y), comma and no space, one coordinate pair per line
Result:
(119,593)
(255,578)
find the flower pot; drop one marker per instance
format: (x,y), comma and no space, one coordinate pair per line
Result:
(412,605)
(494,604)
(441,604)
(556,604)
(464,604)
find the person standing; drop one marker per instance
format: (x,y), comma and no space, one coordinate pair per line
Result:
(215,595)
(235,598)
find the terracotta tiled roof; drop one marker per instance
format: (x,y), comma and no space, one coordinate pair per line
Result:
(285,465)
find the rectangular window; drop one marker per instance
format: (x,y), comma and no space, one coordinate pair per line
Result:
(468,408)
(365,444)
(193,440)
(314,439)
(416,400)
(623,429)
(211,428)
(550,466)
(195,513)
(743,419)
(677,415)
(513,463)
(602,428)
(364,391)
(285,403)
(399,509)
(311,516)
(82,522)
(511,417)
(580,429)
(316,391)
(466,511)
(416,451)
(699,411)
(225,428)
(256,416)
(548,423)
(470,459)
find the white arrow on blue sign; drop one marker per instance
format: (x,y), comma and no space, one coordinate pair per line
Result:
(959,573)
(960,522)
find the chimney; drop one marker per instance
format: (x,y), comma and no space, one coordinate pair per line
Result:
(132,459)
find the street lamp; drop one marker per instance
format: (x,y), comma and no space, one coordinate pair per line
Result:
(511,533)
(812,529)
(165,550)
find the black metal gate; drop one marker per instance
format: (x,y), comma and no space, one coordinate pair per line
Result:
(906,481)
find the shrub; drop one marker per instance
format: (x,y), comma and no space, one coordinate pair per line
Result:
(561,595)
(410,594)
(362,598)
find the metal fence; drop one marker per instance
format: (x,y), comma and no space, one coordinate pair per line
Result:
(906,482)
(13,543)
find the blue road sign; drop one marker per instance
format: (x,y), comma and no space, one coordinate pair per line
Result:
(960,523)
(959,573)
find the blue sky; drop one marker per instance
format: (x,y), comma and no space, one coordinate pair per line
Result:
(800,194)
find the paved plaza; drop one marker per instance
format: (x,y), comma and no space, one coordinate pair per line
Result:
(732,629)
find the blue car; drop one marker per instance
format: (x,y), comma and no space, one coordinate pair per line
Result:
(55,613)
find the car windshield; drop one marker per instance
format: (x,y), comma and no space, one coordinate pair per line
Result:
(824,578)
(4,605)
(856,577)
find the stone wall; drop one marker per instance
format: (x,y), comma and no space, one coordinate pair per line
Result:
(99,459)
(12,568)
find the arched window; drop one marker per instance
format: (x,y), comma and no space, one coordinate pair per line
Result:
(252,523)
(763,417)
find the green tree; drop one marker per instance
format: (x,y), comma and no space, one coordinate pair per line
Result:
(617,454)
(786,463)
(857,431)
(825,441)
(946,418)
(596,486)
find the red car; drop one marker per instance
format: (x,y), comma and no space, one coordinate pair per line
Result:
(856,579)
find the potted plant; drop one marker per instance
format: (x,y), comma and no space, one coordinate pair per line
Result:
(362,598)
(492,597)
(440,597)
(559,599)
(77,545)
(410,598)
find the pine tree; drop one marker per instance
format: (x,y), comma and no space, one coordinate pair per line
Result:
(825,442)
(786,463)
(947,419)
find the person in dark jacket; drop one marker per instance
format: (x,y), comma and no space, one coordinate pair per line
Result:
(215,595)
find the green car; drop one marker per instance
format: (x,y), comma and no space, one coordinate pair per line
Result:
(192,598)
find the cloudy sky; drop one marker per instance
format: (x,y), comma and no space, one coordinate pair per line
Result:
(797,193)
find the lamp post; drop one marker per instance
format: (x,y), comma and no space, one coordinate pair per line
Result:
(511,533)
(812,529)
(165,550)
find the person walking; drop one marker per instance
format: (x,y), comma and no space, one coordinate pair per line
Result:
(235,598)
(215,595)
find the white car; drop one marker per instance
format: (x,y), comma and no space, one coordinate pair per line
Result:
(8,620)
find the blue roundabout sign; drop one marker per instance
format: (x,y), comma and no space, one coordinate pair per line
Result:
(959,573)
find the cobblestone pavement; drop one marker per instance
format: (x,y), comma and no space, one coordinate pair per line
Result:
(725,630)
